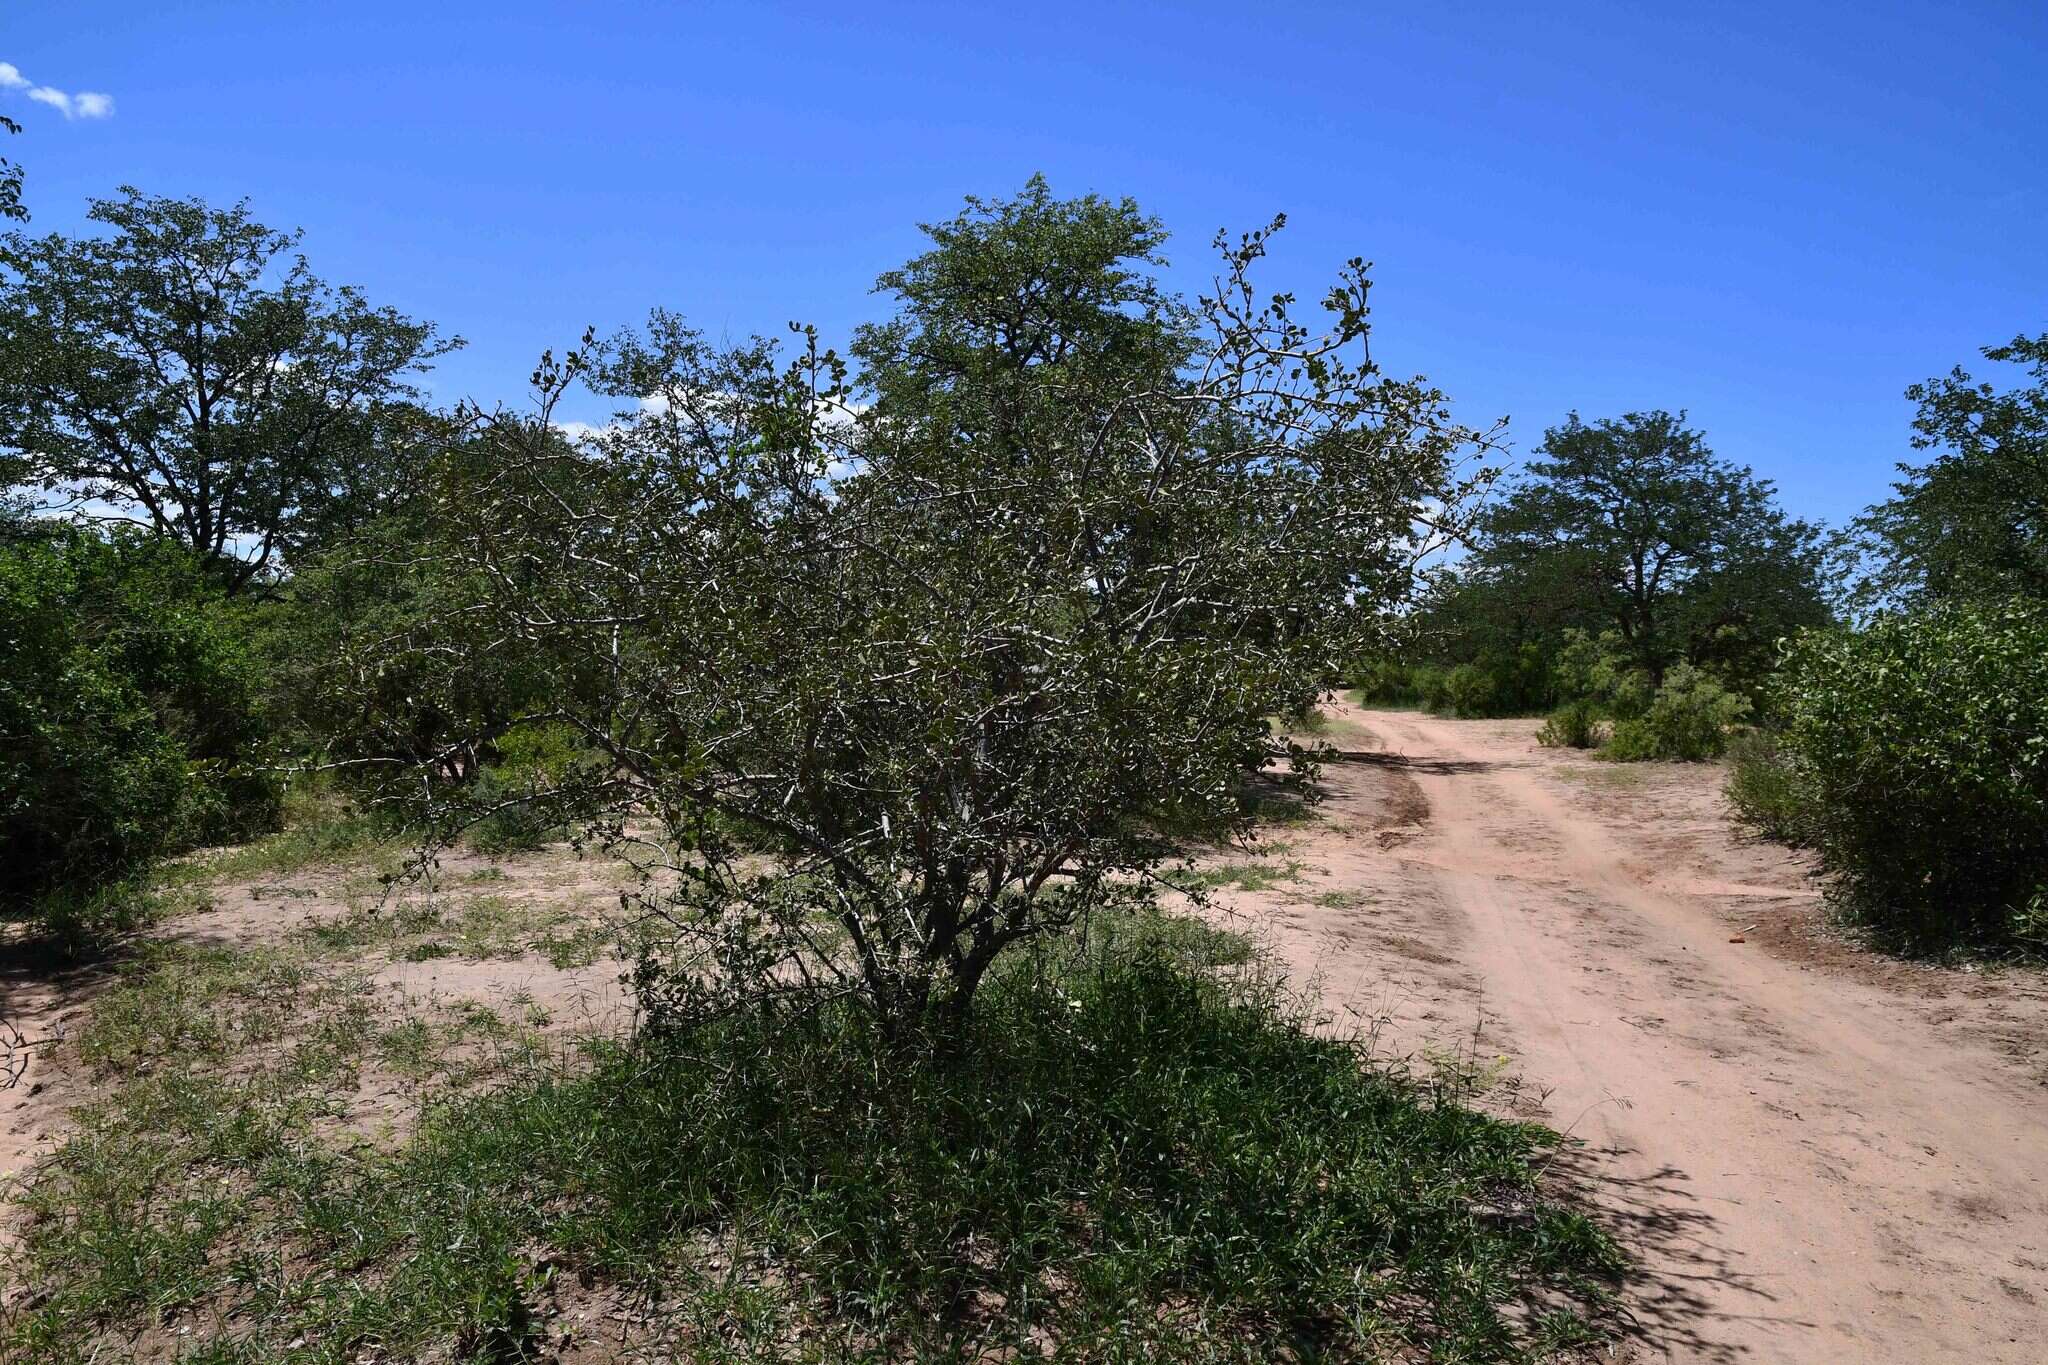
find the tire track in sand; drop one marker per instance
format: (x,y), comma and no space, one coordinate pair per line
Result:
(1806,1170)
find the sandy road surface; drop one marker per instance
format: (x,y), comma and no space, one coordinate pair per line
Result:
(1819,1155)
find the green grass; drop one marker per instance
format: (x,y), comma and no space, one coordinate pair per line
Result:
(1131,1157)
(320,826)
(216,1150)
(478,927)
(80,923)
(1245,876)
(1192,943)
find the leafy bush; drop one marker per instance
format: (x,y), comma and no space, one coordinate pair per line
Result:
(1388,682)
(1688,719)
(956,651)
(1470,690)
(128,724)
(76,917)
(1770,789)
(1124,1158)
(1599,669)
(1574,725)
(517,789)
(1432,688)
(1514,683)
(1925,738)
(1510,684)
(373,666)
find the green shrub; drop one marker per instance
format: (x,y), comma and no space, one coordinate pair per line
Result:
(1125,1158)
(1630,741)
(1432,688)
(1385,682)
(1599,669)
(80,917)
(1687,719)
(1769,789)
(1925,739)
(1470,690)
(373,663)
(517,789)
(1574,725)
(1521,680)
(1493,684)
(128,722)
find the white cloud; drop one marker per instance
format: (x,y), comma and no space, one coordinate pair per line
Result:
(84,104)
(837,413)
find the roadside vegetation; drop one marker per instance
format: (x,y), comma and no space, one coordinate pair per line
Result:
(129,698)
(1915,753)
(1136,1151)
(1878,692)
(890,691)
(1629,583)
(1908,752)
(887,691)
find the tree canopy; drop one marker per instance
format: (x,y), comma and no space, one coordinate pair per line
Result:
(1972,522)
(190,369)
(1633,525)
(10,178)
(954,634)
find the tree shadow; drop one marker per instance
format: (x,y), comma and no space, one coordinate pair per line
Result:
(39,971)
(1380,758)
(41,984)
(1680,1256)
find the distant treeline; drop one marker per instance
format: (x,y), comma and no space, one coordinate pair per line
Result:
(1885,685)
(958,621)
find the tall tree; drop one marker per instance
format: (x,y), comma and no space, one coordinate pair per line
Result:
(191,370)
(947,655)
(14,469)
(1633,524)
(1972,522)
(10,179)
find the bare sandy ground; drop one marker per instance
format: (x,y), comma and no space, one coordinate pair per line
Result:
(48,1005)
(1819,1154)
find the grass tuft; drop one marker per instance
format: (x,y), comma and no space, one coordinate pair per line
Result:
(1132,1156)
(1245,876)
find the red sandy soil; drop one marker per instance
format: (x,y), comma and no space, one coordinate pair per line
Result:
(48,1004)
(1818,1154)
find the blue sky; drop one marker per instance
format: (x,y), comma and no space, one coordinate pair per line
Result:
(1775,216)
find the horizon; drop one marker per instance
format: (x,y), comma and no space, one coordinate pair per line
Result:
(1774,223)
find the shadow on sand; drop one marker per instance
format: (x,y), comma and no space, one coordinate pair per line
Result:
(1380,758)
(1667,1309)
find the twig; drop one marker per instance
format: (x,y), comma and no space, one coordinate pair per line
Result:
(15,1050)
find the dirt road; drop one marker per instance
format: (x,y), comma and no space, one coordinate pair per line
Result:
(1819,1155)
